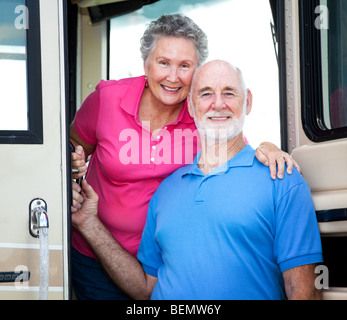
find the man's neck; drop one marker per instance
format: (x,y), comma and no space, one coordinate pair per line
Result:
(214,155)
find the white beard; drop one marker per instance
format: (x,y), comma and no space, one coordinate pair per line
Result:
(211,132)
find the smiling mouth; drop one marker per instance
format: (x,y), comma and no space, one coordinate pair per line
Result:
(170,89)
(219,118)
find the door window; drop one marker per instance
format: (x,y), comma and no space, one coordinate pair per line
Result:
(20,76)
(324,72)
(334,64)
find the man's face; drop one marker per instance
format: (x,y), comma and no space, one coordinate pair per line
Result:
(219,105)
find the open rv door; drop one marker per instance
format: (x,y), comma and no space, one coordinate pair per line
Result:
(52,53)
(34,151)
(312,43)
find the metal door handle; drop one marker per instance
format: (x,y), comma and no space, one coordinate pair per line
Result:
(38,217)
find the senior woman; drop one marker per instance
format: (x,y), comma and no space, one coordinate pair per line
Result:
(138,131)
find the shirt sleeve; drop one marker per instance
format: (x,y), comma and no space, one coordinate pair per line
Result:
(86,119)
(149,253)
(297,239)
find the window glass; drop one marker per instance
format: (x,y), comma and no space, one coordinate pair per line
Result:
(13,65)
(238,31)
(334,63)
(323,53)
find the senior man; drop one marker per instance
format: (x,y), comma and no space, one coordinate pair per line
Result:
(219,228)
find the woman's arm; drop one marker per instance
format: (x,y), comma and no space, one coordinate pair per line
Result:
(76,140)
(81,153)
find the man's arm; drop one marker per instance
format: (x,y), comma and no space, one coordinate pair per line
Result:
(299,283)
(123,268)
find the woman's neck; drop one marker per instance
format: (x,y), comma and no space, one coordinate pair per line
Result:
(157,114)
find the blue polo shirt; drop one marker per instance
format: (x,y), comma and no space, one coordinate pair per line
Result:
(228,234)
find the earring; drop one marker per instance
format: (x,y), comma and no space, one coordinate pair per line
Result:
(146,84)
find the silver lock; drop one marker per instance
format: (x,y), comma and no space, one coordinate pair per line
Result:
(38,218)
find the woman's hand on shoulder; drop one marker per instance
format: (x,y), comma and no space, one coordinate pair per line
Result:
(273,157)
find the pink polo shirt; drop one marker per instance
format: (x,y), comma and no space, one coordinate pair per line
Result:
(129,161)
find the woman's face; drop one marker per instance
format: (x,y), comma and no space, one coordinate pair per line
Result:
(170,69)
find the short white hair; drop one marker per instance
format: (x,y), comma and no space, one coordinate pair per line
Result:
(241,77)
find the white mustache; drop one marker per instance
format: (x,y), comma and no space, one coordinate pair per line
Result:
(213,114)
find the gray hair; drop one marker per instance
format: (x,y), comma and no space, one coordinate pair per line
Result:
(174,25)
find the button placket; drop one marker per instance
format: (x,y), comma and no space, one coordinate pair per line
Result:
(199,195)
(156,140)
(154,144)
(153,153)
